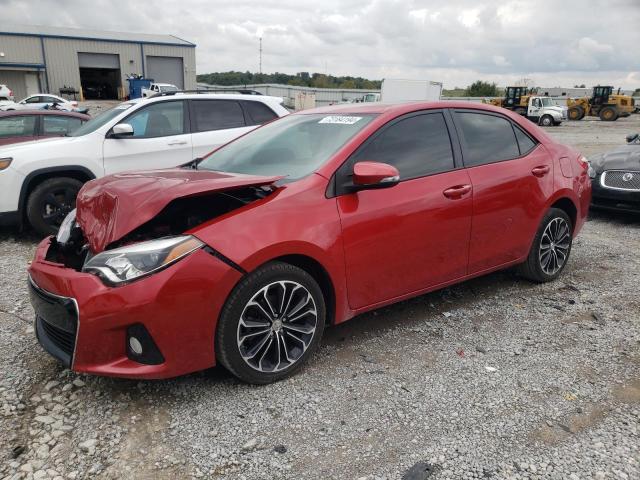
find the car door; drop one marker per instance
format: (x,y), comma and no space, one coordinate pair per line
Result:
(35,102)
(160,139)
(535,109)
(215,122)
(512,178)
(18,128)
(413,235)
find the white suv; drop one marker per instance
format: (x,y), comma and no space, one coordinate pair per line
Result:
(39,180)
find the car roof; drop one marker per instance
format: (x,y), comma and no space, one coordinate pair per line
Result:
(220,96)
(15,113)
(399,108)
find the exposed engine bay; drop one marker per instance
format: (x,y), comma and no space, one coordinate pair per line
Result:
(178,216)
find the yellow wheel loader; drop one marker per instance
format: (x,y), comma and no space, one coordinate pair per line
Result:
(603,103)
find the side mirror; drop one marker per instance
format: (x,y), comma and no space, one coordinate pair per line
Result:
(369,175)
(121,130)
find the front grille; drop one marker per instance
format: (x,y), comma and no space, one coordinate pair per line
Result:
(621,180)
(63,340)
(56,322)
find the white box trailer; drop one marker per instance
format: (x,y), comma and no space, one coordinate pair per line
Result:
(396,90)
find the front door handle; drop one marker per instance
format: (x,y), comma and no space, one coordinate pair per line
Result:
(457,192)
(178,142)
(541,171)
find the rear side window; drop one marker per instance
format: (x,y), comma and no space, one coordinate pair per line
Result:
(486,138)
(59,125)
(18,126)
(216,115)
(258,113)
(416,146)
(524,141)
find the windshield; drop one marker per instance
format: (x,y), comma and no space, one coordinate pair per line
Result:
(168,88)
(98,121)
(547,102)
(293,146)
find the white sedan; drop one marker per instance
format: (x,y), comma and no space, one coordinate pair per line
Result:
(40,100)
(5,93)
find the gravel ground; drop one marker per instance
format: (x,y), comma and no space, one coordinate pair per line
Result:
(494,378)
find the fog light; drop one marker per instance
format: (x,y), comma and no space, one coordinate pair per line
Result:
(135,345)
(140,346)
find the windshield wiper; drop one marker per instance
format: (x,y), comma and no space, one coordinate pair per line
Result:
(193,164)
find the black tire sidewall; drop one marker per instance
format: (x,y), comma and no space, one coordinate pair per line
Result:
(36,199)
(533,260)
(226,348)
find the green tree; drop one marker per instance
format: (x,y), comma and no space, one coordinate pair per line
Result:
(482,89)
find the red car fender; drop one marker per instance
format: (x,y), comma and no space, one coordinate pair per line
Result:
(281,227)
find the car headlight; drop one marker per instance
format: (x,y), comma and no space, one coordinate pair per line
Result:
(64,232)
(5,162)
(122,265)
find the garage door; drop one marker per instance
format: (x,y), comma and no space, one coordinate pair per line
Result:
(166,70)
(98,60)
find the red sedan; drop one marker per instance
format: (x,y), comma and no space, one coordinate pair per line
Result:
(26,125)
(244,257)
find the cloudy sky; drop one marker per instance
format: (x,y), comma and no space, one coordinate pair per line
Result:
(552,42)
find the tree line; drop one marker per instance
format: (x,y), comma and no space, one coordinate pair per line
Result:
(303,79)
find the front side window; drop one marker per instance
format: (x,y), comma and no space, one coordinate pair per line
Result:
(211,115)
(59,125)
(161,119)
(101,119)
(293,146)
(18,126)
(416,146)
(486,138)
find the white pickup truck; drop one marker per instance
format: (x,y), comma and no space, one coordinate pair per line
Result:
(156,88)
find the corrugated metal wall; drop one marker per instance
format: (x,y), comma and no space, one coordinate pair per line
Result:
(20,49)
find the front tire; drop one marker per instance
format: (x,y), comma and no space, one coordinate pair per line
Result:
(271,323)
(546,121)
(608,114)
(50,202)
(550,249)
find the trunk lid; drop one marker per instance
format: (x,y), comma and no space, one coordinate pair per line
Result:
(111,207)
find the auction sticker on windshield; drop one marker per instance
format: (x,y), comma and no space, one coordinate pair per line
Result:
(339,119)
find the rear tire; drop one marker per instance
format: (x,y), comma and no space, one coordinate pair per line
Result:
(608,114)
(50,202)
(271,323)
(551,247)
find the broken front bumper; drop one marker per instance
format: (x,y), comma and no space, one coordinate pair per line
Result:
(178,307)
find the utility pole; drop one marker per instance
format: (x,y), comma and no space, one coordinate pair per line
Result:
(260,69)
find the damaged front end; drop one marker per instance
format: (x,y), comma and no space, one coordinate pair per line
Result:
(143,230)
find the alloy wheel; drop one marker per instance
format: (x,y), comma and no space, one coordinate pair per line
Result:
(277,326)
(554,246)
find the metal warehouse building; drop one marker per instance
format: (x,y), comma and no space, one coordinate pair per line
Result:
(36,59)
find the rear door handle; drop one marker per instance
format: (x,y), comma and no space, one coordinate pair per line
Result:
(178,142)
(541,171)
(457,192)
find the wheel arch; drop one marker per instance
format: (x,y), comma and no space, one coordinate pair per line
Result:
(319,273)
(35,178)
(568,206)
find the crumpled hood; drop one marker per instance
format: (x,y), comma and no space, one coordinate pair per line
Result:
(625,157)
(111,207)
